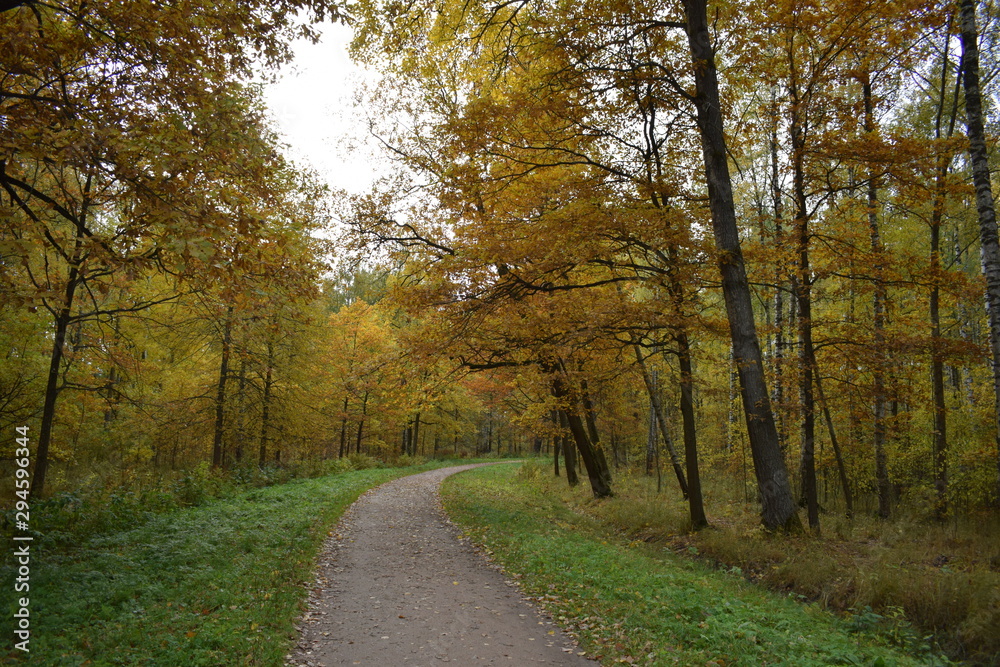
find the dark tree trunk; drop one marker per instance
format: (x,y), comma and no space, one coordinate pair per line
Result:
(696,504)
(937,216)
(556,440)
(803,297)
(361,423)
(569,451)
(63,315)
(780,275)
(878,326)
(597,467)
(985,205)
(52,387)
(265,415)
(343,429)
(841,468)
(592,432)
(415,435)
(778,509)
(220,393)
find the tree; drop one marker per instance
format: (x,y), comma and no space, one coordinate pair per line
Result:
(777,504)
(985,206)
(118,147)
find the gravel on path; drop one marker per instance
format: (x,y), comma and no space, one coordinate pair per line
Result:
(397,585)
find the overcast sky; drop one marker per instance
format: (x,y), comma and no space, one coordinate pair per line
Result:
(313,108)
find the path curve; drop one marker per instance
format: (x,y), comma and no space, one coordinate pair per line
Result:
(397,586)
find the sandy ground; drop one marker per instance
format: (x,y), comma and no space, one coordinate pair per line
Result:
(397,586)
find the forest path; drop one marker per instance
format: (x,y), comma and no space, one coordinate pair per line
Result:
(396,586)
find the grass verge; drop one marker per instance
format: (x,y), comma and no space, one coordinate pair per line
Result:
(631,603)
(215,585)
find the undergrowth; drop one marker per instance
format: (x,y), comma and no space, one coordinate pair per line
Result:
(930,585)
(633,602)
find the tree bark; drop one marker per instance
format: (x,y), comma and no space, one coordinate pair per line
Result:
(985,205)
(778,509)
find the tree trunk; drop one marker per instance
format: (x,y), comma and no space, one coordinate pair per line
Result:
(878,325)
(220,394)
(63,316)
(595,437)
(940,432)
(841,468)
(803,296)
(361,423)
(52,388)
(777,504)
(556,439)
(989,244)
(266,407)
(343,429)
(696,504)
(778,390)
(569,451)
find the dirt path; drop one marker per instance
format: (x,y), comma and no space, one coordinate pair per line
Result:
(396,586)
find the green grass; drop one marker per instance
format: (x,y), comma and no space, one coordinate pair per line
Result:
(218,584)
(631,603)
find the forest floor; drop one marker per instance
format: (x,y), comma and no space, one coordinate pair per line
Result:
(398,585)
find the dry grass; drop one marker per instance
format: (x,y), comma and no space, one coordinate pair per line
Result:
(920,577)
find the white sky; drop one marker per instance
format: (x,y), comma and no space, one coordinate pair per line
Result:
(313,108)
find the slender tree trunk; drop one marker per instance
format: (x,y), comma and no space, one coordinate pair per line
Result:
(343,428)
(779,277)
(361,423)
(696,504)
(63,316)
(415,434)
(569,451)
(777,503)
(220,393)
(556,439)
(878,326)
(265,415)
(595,437)
(661,420)
(241,431)
(985,205)
(937,357)
(841,468)
(52,388)
(803,296)
(597,471)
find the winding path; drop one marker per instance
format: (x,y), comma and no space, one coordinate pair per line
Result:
(397,586)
